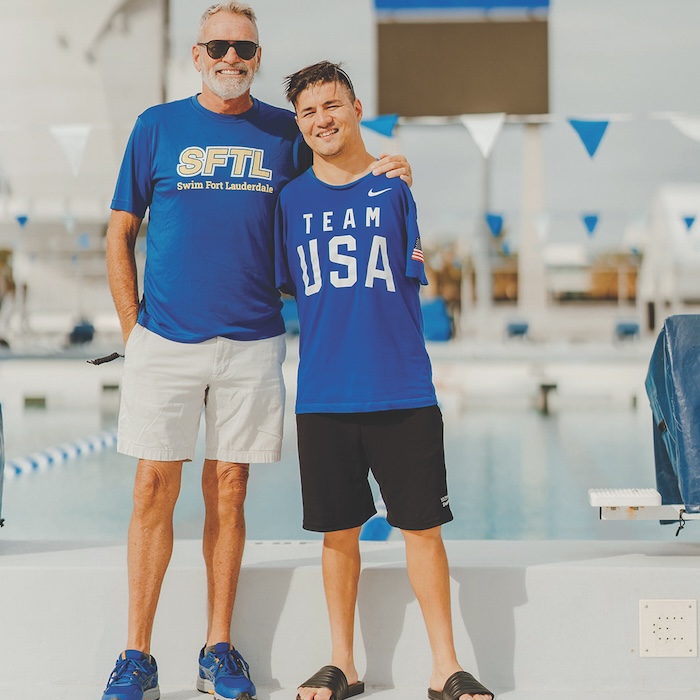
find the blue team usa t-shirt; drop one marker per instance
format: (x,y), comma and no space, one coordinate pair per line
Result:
(351,256)
(210,183)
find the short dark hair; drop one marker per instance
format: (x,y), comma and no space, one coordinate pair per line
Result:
(318,74)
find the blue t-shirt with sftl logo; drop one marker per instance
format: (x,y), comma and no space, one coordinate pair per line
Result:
(210,183)
(352,257)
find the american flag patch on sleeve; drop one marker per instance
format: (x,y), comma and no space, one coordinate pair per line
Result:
(417,253)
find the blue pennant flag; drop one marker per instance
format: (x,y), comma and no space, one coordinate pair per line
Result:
(591,133)
(689,221)
(22,220)
(383,125)
(591,221)
(495,222)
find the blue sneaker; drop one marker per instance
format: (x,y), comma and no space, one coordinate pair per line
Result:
(135,677)
(224,673)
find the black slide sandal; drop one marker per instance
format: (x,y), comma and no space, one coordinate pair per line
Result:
(457,685)
(334,679)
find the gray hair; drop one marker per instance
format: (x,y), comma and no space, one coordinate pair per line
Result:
(235,8)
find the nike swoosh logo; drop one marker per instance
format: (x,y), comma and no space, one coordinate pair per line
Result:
(372,193)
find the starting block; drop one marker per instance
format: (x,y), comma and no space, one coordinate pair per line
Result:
(674,396)
(636,504)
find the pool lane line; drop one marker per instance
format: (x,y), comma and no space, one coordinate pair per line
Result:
(53,456)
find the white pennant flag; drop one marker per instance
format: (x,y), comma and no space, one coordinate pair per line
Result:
(72,138)
(688,126)
(484,129)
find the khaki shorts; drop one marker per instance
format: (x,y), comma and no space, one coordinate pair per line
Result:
(166,385)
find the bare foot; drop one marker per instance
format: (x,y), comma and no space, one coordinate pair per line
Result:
(325,693)
(439,682)
(314,694)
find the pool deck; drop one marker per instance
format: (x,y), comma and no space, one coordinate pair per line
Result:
(550,619)
(533,619)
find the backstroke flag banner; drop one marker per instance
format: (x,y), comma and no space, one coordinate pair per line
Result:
(688,126)
(484,129)
(72,138)
(384,124)
(591,132)
(591,222)
(495,223)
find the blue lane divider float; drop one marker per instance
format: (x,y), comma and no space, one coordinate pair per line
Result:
(52,456)
(377,529)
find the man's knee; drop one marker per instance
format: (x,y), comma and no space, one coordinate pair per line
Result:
(433,534)
(157,484)
(226,482)
(342,539)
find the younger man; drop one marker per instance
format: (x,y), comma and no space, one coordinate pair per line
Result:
(348,248)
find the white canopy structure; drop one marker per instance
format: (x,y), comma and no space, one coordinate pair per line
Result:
(670,271)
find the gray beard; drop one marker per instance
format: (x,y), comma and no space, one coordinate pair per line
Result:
(227,88)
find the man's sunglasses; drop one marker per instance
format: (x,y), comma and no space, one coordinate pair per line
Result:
(218,48)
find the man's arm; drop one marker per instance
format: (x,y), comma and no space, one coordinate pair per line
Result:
(394,165)
(121,267)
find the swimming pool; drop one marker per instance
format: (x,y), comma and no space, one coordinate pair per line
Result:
(513,472)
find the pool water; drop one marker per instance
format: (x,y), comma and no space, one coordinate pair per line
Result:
(513,474)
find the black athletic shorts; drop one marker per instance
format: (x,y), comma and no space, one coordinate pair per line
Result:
(404,450)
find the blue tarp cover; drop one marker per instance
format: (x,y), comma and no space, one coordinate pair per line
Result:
(673,388)
(2,461)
